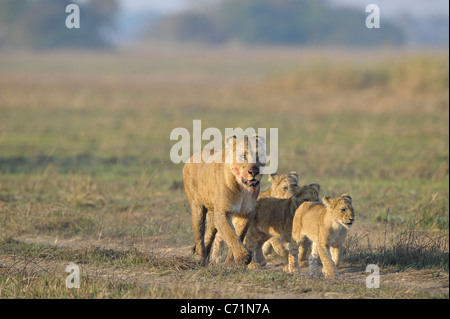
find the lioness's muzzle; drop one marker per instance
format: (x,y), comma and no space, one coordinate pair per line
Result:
(253,171)
(250,183)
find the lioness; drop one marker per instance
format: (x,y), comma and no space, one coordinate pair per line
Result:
(282,186)
(273,218)
(225,187)
(326,226)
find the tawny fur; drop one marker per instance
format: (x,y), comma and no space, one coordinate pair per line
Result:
(326,226)
(224,190)
(273,218)
(282,186)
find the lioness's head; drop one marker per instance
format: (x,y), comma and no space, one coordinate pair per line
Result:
(284,185)
(307,193)
(341,209)
(244,157)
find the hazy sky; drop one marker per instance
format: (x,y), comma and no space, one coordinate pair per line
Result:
(156,5)
(390,7)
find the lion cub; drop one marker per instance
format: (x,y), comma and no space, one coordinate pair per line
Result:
(282,186)
(326,226)
(273,218)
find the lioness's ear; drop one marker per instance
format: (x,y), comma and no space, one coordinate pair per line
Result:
(274,177)
(260,139)
(328,201)
(316,187)
(229,140)
(347,197)
(294,175)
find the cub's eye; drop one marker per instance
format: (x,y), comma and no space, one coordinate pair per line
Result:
(243,157)
(343,210)
(294,185)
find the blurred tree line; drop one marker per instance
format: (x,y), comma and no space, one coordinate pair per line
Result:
(42,23)
(276,22)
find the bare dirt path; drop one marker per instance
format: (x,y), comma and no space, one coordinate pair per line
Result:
(408,283)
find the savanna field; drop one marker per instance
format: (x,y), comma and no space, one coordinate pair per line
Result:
(86,176)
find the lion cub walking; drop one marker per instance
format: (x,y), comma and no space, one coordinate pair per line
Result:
(326,226)
(273,218)
(283,186)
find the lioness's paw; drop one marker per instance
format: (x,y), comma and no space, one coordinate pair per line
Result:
(253,265)
(244,258)
(329,273)
(303,263)
(291,269)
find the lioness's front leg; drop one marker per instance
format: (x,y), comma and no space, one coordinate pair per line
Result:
(240,223)
(234,243)
(198,216)
(210,232)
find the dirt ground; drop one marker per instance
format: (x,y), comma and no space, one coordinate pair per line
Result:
(403,283)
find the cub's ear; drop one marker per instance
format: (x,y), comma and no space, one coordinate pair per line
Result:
(347,197)
(328,201)
(294,175)
(316,187)
(274,177)
(230,140)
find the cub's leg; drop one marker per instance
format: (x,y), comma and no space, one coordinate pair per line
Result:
(218,249)
(292,265)
(267,248)
(329,268)
(303,250)
(254,241)
(278,246)
(313,261)
(335,254)
(258,253)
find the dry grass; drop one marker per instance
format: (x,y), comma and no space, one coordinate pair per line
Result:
(84,155)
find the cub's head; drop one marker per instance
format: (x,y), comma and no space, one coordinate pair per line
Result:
(307,193)
(245,156)
(341,209)
(284,185)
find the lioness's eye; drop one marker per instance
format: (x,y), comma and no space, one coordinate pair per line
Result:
(285,188)
(343,210)
(243,157)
